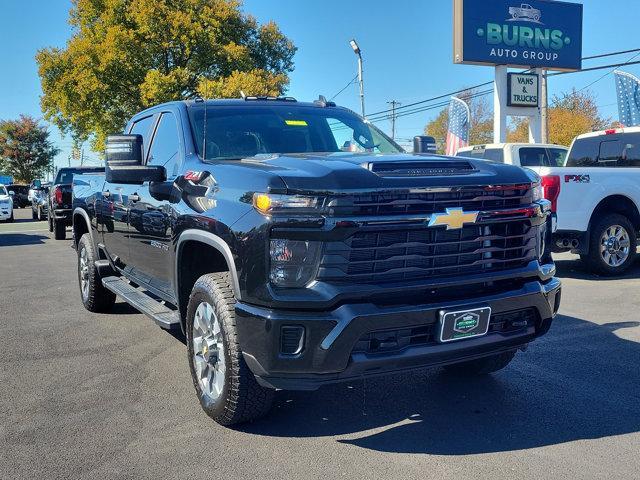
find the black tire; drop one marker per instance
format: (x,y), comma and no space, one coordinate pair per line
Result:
(595,261)
(59,230)
(34,215)
(242,399)
(97,297)
(39,214)
(50,221)
(482,366)
(11,218)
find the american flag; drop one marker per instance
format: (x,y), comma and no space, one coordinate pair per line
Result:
(628,90)
(458,130)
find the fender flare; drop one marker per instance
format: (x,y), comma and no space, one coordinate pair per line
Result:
(214,241)
(80,211)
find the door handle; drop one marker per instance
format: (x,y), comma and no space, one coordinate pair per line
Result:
(134,198)
(106,194)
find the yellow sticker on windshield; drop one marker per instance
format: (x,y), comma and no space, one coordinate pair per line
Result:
(296,123)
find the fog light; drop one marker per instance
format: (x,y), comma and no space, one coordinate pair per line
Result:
(293,262)
(291,339)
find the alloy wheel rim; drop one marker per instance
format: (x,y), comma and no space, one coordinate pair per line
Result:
(615,245)
(84,273)
(208,351)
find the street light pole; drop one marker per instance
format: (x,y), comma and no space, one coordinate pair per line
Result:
(358,52)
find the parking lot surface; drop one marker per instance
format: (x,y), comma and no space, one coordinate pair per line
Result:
(109,396)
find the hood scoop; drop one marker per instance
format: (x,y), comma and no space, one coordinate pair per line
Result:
(420,169)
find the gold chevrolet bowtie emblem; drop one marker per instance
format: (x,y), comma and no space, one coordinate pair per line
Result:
(454,219)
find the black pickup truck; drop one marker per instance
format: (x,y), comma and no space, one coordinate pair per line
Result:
(59,199)
(296,245)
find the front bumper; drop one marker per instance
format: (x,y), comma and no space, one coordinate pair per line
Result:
(5,212)
(328,354)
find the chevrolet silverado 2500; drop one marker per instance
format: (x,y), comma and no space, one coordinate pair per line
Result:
(296,246)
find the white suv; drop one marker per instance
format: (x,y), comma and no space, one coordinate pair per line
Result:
(6,204)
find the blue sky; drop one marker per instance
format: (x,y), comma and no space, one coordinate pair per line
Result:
(406,45)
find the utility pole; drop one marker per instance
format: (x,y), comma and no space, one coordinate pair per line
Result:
(358,52)
(393,116)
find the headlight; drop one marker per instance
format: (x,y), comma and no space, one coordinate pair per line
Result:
(269,204)
(538,192)
(294,263)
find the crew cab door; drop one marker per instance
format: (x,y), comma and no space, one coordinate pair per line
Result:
(152,209)
(113,211)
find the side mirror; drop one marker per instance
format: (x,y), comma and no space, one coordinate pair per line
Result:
(12,193)
(124,161)
(424,144)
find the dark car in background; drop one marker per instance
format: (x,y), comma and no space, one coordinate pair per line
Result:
(20,195)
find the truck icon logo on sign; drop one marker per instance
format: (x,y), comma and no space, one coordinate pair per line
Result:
(525,13)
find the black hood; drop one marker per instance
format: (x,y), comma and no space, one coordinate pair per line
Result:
(340,172)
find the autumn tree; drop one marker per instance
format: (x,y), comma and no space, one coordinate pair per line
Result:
(125,55)
(570,115)
(25,150)
(481,131)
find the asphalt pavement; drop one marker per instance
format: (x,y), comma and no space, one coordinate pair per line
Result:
(85,395)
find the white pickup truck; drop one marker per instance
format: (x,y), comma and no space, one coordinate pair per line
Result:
(596,196)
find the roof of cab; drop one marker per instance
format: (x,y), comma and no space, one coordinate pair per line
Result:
(241,102)
(609,131)
(508,145)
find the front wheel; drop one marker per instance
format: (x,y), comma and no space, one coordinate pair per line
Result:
(34,215)
(50,221)
(227,389)
(95,297)
(612,245)
(482,366)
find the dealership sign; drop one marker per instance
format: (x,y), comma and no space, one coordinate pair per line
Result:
(522,90)
(540,33)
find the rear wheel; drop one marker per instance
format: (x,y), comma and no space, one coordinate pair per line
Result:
(34,215)
(50,220)
(59,230)
(612,245)
(227,389)
(95,297)
(482,366)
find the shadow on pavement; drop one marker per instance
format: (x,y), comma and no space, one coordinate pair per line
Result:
(15,239)
(580,382)
(578,270)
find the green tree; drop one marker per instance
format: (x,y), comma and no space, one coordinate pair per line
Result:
(125,55)
(570,115)
(25,150)
(481,131)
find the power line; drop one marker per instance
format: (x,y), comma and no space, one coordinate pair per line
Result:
(345,87)
(613,54)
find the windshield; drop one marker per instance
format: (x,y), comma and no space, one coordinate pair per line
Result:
(241,132)
(3,190)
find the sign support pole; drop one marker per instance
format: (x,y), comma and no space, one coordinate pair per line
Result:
(544,106)
(500,105)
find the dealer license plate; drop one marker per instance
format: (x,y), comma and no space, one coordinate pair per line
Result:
(463,324)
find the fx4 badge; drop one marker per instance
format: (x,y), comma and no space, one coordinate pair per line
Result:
(577,179)
(454,218)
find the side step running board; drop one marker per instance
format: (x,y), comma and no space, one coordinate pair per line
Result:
(165,317)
